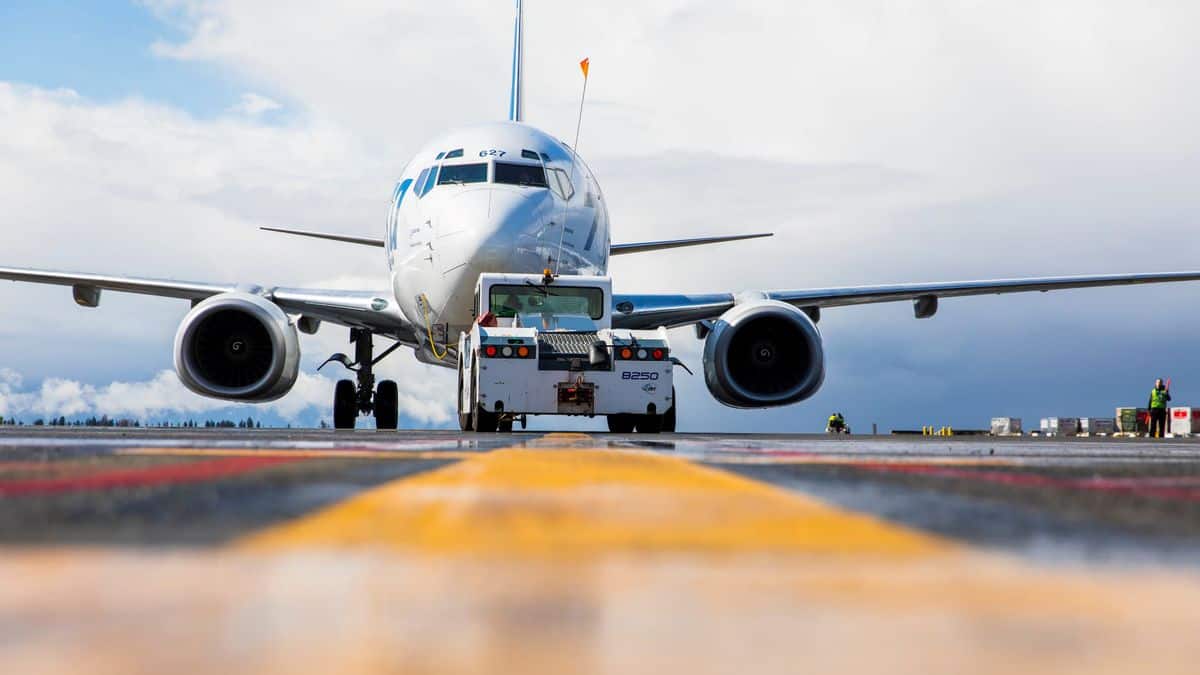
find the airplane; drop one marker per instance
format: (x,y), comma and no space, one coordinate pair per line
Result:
(505,197)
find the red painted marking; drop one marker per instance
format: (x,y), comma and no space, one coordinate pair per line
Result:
(1144,487)
(189,472)
(1183,488)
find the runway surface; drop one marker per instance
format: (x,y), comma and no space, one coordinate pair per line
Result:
(239,551)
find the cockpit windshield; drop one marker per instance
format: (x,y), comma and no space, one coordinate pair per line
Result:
(463,173)
(531,175)
(509,301)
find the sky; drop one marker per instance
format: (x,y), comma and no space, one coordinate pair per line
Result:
(882,142)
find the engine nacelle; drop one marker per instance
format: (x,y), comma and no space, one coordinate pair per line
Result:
(239,347)
(763,353)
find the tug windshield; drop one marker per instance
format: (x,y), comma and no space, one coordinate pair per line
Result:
(509,301)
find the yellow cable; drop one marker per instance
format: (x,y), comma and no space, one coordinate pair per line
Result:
(429,331)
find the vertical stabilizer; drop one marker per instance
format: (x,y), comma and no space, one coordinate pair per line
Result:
(516,102)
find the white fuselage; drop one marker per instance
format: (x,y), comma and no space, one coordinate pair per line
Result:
(442,235)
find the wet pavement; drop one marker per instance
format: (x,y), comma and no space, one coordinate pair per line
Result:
(230,550)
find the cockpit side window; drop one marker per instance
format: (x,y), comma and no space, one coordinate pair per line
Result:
(463,173)
(420,184)
(530,175)
(426,181)
(561,184)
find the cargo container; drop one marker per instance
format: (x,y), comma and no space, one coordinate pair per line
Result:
(1094,426)
(1133,420)
(1184,421)
(1006,426)
(1061,426)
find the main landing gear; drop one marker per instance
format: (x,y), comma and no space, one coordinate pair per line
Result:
(352,397)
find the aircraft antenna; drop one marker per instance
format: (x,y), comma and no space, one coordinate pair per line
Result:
(583,65)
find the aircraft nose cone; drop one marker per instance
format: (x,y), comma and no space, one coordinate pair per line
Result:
(483,226)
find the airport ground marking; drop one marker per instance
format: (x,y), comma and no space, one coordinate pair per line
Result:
(353,453)
(166,474)
(570,501)
(1178,488)
(791,457)
(1160,487)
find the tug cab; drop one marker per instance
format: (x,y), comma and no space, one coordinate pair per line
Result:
(544,345)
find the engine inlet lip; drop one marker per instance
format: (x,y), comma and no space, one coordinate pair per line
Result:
(729,327)
(207,310)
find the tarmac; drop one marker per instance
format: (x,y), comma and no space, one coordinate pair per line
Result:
(127,551)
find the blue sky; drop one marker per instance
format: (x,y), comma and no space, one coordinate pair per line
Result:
(882,144)
(103,50)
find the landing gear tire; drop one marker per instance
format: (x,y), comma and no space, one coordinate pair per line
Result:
(649,424)
(668,421)
(485,422)
(345,404)
(482,421)
(464,418)
(622,424)
(387,405)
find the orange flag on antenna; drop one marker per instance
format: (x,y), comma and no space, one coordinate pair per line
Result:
(583,65)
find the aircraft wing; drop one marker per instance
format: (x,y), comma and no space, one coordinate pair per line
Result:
(651,311)
(359,309)
(644,246)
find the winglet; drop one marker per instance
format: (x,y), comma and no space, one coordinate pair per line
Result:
(642,247)
(516,104)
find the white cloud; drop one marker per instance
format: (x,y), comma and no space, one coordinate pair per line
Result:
(960,87)
(164,394)
(253,105)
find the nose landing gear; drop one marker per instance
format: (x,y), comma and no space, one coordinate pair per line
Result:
(359,396)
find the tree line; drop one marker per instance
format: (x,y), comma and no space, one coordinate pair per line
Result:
(106,421)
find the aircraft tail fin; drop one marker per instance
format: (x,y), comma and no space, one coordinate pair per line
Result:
(516,103)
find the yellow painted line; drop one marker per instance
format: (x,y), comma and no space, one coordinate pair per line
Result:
(298,454)
(568,501)
(562,439)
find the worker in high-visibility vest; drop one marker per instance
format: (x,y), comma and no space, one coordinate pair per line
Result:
(1159,397)
(836,424)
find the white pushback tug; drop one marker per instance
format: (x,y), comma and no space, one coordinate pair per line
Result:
(545,345)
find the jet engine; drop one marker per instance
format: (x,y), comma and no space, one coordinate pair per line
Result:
(763,353)
(239,347)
